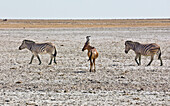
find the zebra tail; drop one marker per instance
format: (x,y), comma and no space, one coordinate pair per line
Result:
(55,53)
(90,55)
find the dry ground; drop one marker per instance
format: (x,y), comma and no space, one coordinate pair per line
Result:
(118,80)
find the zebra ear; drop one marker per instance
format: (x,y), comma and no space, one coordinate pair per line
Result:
(128,41)
(25,40)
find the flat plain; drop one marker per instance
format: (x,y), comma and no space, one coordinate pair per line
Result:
(117,81)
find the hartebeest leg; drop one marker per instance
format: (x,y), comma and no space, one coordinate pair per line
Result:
(137,55)
(91,65)
(94,65)
(152,56)
(31,59)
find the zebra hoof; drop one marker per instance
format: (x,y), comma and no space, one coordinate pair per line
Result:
(138,64)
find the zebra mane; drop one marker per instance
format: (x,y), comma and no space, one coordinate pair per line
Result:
(131,42)
(29,41)
(136,43)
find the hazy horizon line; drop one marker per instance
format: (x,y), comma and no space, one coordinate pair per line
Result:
(85,18)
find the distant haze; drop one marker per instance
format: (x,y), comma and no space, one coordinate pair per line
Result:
(84,9)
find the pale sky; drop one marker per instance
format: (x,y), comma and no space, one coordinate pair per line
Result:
(84,9)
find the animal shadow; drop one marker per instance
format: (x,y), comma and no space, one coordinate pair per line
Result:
(79,71)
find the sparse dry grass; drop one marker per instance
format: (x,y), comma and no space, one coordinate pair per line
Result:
(13,23)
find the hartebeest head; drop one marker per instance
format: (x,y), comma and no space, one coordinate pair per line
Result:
(87,43)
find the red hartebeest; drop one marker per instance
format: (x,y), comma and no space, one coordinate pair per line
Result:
(92,53)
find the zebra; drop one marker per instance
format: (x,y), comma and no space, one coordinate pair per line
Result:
(39,48)
(92,53)
(143,49)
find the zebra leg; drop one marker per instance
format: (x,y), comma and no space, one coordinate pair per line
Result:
(161,61)
(55,60)
(137,55)
(31,59)
(51,60)
(39,59)
(139,59)
(94,65)
(159,57)
(152,56)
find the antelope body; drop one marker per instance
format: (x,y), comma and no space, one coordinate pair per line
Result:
(92,53)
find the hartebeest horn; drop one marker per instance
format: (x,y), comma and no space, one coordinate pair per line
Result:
(88,38)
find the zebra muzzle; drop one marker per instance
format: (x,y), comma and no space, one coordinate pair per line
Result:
(126,51)
(19,48)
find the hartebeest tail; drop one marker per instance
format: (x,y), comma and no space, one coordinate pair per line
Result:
(92,53)
(144,49)
(38,48)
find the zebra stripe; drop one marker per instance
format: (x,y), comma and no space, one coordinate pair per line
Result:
(42,47)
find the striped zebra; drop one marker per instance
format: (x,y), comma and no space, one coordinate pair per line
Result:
(39,48)
(143,49)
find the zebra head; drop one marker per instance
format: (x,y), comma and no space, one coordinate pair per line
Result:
(127,46)
(26,44)
(87,43)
